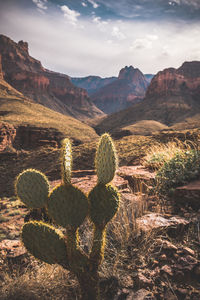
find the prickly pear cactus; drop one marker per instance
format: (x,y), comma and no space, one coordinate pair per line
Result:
(68,207)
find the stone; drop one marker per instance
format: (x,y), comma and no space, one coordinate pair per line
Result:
(188,195)
(167,270)
(162,223)
(13,251)
(139,178)
(189,251)
(141,294)
(142,281)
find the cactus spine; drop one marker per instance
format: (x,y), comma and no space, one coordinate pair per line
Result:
(68,206)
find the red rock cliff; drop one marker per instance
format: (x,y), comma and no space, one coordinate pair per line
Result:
(51,89)
(1,71)
(176,82)
(127,89)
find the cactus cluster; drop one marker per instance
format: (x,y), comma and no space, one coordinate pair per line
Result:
(68,207)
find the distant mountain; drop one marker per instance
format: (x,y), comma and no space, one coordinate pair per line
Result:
(92,83)
(172,98)
(149,77)
(128,88)
(51,89)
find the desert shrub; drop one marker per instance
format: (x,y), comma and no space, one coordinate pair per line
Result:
(180,169)
(159,154)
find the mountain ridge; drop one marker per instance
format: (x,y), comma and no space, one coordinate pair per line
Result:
(172,97)
(128,88)
(51,89)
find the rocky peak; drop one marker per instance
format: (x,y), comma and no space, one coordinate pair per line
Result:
(127,89)
(133,76)
(190,69)
(127,72)
(23,45)
(53,90)
(15,57)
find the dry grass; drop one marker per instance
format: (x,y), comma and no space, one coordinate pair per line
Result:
(22,112)
(158,154)
(38,281)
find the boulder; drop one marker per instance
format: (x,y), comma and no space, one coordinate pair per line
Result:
(139,178)
(172,225)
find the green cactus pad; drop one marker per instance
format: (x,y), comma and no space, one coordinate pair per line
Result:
(68,206)
(105,160)
(104,203)
(32,188)
(66,159)
(45,242)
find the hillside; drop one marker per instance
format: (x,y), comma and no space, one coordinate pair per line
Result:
(128,88)
(171,98)
(20,111)
(51,89)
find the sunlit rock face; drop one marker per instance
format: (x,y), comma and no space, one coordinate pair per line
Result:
(51,89)
(181,81)
(1,71)
(127,89)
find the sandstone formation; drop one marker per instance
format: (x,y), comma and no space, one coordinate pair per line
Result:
(184,81)
(51,89)
(1,71)
(172,97)
(128,88)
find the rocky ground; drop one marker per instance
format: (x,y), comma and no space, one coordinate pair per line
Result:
(162,259)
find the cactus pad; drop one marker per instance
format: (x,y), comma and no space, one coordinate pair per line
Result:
(32,188)
(45,242)
(68,206)
(106,160)
(66,159)
(104,203)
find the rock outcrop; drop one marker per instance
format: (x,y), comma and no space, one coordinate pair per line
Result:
(7,136)
(176,82)
(127,89)
(172,98)
(51,89)
(1,71)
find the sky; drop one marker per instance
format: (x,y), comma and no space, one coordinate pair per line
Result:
(99,37)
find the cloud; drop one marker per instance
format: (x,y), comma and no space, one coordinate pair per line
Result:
(117,33)
(84,4)
(150,46)
(41,4)
(144,43)
(94,4)
(70,15)
(100,23)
